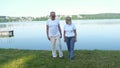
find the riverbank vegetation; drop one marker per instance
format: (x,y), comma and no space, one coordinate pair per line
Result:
(62,17)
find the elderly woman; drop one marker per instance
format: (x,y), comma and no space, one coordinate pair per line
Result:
(70,36)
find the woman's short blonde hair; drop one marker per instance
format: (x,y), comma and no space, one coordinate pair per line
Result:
(68,18)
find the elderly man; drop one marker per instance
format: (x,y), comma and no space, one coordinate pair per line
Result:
(54,34)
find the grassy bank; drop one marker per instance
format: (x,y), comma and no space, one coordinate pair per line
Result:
(13,58)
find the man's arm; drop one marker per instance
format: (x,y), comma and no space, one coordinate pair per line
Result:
(47,29)
(60,31)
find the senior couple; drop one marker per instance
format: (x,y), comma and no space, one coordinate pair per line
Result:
(54,34)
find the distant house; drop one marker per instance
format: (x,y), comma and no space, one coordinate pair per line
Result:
(79,16)
(3,16)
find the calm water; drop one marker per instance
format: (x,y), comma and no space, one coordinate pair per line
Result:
(92,34)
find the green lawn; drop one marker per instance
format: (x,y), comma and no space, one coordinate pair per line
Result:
(14,58)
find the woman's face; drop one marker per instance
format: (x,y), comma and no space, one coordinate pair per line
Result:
(68,20)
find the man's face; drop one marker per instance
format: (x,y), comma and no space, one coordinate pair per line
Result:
(52,15)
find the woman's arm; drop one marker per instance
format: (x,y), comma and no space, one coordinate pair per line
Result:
(64,36)
(75,35)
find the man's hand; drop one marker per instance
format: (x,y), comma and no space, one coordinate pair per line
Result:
(60,35)
(48,38)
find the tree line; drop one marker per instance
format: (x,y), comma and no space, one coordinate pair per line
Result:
(62,17)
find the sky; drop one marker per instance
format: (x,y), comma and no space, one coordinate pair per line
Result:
(37,8)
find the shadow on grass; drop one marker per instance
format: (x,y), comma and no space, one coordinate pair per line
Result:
(42,59)
(17,58)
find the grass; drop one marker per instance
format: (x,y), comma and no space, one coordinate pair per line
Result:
(15,58)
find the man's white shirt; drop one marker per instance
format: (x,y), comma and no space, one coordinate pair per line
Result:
(53,27)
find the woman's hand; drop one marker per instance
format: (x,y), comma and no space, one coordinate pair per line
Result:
(75,40)
(64,39)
